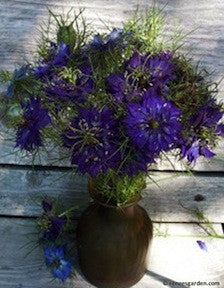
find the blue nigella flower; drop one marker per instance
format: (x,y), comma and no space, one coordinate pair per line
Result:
(10,90)
(114,38)
(56,259)
(136,61)
(17,75)
(202,245)
(64,91)
(154,125)
(84,82)
(59,55)
(43,69)
(62,55)
(35,117)
(92,135)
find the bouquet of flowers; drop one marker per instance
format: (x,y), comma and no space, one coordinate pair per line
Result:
(115,102)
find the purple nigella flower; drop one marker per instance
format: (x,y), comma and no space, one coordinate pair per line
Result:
(122,90)
(161,69)
(62,55)
(207,116)
(92,136)
(202,245)
(136,162)
(85,83)
(136,61)
(191,152)
(151,71)
(43,69)
(35,117)
(153,126)
(59,55)
(56,259)
(64,90)
(55,228)
(220,130)
(116,37)
(195,149)
(143,72)
(116,85)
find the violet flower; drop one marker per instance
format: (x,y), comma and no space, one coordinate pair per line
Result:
(113,39)
(202,245)
(142,72)
(35,117)
(154,125)
(59,55)
(92,137)
(63,90)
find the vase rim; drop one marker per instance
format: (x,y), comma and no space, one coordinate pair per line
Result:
(134,200)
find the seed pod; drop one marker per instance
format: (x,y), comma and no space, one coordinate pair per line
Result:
(67,35)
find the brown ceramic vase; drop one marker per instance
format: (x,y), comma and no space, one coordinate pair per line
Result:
(113,243)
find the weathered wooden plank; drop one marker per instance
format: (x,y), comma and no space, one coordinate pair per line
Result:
(17,268)
(21,267)
(178,257)
(19,20)
(173,192)
(22,189)
(29,186)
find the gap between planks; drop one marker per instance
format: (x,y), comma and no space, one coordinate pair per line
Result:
(38,167)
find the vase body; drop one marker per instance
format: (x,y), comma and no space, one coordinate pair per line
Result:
(113,244)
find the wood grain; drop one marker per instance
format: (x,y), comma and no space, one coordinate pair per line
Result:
(22,190)
(176,257)
(20,20)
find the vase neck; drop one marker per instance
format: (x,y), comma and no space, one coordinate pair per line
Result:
(110,202)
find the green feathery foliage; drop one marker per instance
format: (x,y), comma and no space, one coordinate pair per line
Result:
(119,190)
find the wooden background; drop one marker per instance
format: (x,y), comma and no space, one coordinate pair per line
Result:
(175,256)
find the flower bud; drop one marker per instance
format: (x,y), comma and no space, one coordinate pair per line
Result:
(67,35)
